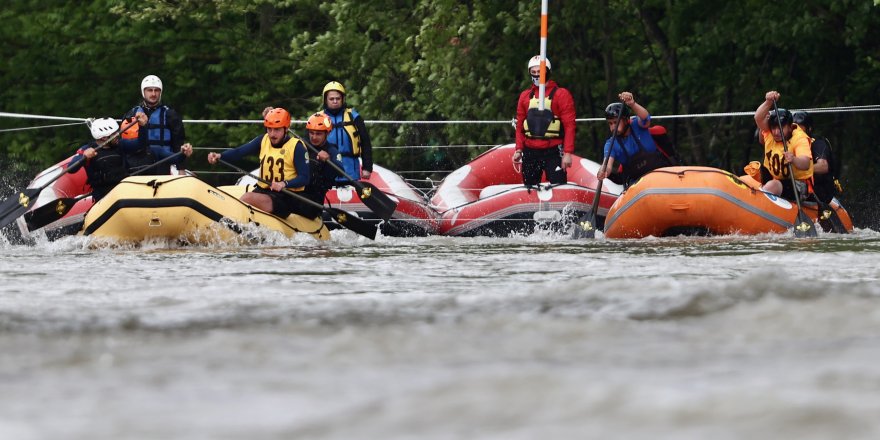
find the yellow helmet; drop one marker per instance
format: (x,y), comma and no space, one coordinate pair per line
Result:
(333,85)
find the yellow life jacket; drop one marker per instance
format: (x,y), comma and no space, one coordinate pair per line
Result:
(348,124)
(774,159)
(555,129)
(276,163)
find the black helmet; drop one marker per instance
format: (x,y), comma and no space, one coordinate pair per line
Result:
(802,118)
(614,110)
(784,117)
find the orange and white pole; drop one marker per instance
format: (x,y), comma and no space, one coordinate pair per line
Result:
(542,80)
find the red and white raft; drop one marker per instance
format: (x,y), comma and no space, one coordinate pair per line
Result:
(412,218)
(486,197)
(68,186)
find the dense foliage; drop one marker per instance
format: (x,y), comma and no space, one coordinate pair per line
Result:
(445,60)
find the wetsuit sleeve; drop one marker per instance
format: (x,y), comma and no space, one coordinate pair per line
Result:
(821,150)
(522,105)
(76,162)
(567,115)
(178,135)
(366,145)
(301,163)
(249,149)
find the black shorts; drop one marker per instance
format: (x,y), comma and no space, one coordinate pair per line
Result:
(547,161)
(787,191)
(284,204)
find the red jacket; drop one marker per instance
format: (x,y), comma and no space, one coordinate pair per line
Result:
(562,106)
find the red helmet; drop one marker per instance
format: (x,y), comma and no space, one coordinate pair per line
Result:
(319,122)
(277,118)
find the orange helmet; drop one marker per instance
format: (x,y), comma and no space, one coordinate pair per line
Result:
(132,131)
(277,118)
(319,122)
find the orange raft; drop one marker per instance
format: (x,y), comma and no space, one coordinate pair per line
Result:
(703,201)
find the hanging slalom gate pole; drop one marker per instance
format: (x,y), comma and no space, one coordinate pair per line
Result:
(543,52)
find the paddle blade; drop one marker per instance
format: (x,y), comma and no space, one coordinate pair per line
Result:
(17,204)
(585,227)
(804,226)
(830,221)
(353,222)
(48,213)
(376,200)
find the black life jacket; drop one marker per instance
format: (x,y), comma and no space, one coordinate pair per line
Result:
(106,169)
(542,124)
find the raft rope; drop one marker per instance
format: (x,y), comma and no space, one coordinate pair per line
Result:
(855,108)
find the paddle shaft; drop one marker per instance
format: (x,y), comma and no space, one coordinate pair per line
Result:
(373,197)
(332,164)
(285,190)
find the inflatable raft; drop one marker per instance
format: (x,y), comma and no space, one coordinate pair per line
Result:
(487,197)
(413,216)
(186,209)
(703,201)
(71,187)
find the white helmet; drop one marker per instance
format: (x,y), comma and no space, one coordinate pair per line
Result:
(150,81)
(103,127)
(536,61)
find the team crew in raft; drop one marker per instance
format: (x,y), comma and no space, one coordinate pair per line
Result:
(160,127)
(634,147)
(774,171)
(544,151)
(283,161)
(349,133)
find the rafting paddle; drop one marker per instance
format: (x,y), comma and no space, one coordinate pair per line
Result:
(373,197)
(16,205)
(344,219)
(586,225)
(803,226)
(827,213)
(54,210)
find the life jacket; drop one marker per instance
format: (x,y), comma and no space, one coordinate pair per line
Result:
(350,128)
(107,168)
(664,146)
(158,131)
(545,121)
(276,163)
(643,161)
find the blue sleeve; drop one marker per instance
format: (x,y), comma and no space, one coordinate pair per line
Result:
(301,163)
(249,149)
(644,123)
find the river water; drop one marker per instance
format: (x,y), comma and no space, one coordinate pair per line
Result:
(443,338)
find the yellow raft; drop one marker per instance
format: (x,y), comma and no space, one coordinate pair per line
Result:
(186,209)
